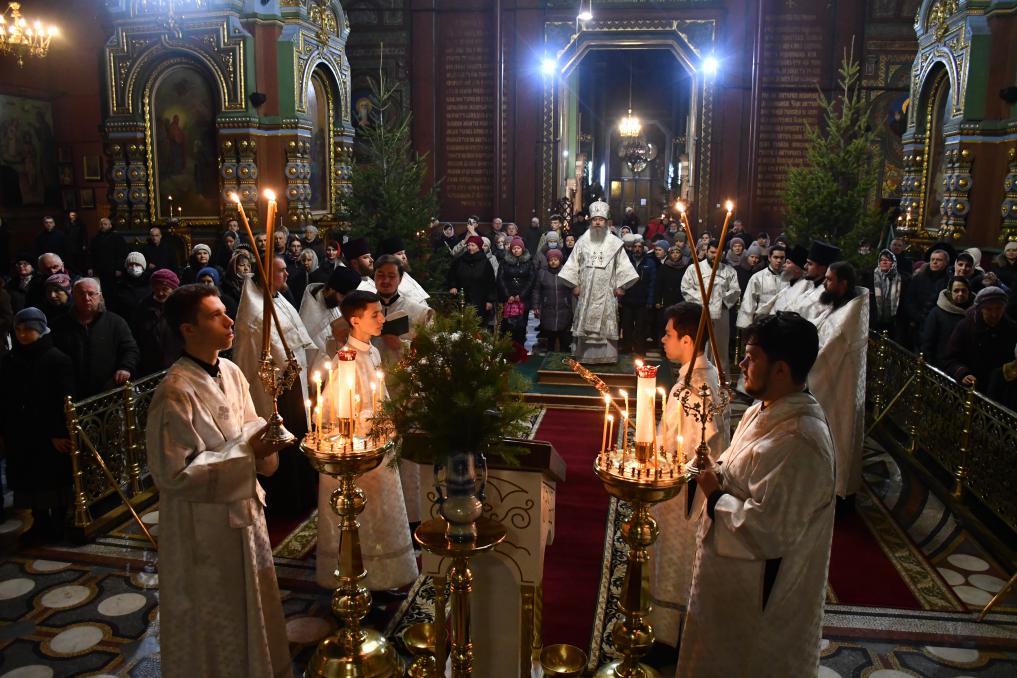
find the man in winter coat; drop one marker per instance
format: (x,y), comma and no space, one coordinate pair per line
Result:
(108,251)
(983,341)
(924,291)
(638,299)
(553,305)
(950,308)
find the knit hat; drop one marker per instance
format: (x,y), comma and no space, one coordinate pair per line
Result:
(343,280)
(662,244)
(210,271)
(734,240)
(355,249)
(823,253)
(479,242)
(390,245)
(486,241)
(33,317)
(798,255)
(135,258)
(989,295)
(201,247)
(517,241)
(554,254)
(552,236)
(976,254)
(61,280)
(754,250)
(165,278)
(1010,246)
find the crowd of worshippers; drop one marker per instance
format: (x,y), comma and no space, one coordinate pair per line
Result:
(79,317)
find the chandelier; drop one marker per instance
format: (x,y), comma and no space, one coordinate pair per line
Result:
(634,149)
(20,38)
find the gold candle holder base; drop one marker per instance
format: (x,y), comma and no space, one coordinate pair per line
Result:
(276,433)
(421,641)
(562,661)
(644,452)
(354,650)
(633,635)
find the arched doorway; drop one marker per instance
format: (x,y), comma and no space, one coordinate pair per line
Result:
(320,110)
(936,101)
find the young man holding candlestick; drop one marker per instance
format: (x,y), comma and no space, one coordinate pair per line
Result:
(756,605)
(724,295)
(680,434)
(384,530)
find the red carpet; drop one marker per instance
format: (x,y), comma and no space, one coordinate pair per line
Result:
(572,563)
(860,573)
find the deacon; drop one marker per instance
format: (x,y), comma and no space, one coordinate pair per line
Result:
(319,311)
(838,378)
(679,519)
(408,287)
(219,600)
(598,271)
(763,287)
(724,296)
(807,305)
(384,528)
(759,581)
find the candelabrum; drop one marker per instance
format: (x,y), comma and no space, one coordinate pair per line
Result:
(703,410)
(354,650)
(276,383)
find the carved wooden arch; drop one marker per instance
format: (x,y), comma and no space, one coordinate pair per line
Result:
(939,56)
(335,78)
(148,69)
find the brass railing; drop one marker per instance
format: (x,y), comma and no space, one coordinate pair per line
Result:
(108,452)
(972,437)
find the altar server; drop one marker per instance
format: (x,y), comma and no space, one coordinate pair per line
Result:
(723,297)
(219,600)
(756,607)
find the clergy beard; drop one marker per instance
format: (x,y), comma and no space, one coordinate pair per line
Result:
(598,233)
(830,299)
(788,277)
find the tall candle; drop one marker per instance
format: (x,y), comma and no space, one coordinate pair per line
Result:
(307,412)
(681,454)
(345,377)
(317,416)
(610,431)
(646,390)
(374,398)
(317,383)
(607,415)
(270,232)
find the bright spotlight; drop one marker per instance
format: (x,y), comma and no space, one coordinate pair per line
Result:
(585,15)
(710,66)
(548,66)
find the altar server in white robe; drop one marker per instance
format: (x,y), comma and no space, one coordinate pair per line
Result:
(598,271)
(291,491)
(795,283)
(763,287)
(384,528)
(723,297)
(402,318)
(806,304)
(219,600)
(679,518)
(759,581)
(838,378)
(319,311)
(408,287)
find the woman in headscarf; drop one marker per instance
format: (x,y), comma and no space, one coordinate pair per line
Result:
(735,252)
(887,291)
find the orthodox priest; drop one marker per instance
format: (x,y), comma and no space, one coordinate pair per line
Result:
(838,378)
(756,606)
(319,311)
(598,271)
(219,601)
(679,519)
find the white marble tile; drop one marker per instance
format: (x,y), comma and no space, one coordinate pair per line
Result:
(150,518)
(966,562)
(48,565)
(972,596)
(65,596)
(987,582)
(951,577)
(76,639)
(121,604)
(33,671)
(13,588)
(957,655)
(892,673)
(10,526)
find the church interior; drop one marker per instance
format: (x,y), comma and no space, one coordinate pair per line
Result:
(882,130)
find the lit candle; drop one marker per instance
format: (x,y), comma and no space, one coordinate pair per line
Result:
(625,433)
(610,431)
(646,398)
(329,381)
(307,412)
(345,377)
(356,400)
(607,415)
(625,394)
(317,416)
(374,398)
(352,418)
(681,454)
(317,383)
(270,232)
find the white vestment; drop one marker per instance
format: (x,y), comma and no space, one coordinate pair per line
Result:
(806,303)
(786,299)
(678,521)
(219,599)
(725,295)
(759,581)
(762,288)
(384,529)
(367,285)
(838,382)
(411,289)
(247,347)
(598,267)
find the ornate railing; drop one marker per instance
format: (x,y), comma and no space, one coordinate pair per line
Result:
(972,437)
(108,451)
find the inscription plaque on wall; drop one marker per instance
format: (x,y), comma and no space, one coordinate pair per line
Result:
(795,58)
(466,148)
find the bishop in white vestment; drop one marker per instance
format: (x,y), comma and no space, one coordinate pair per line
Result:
(759,581)
(219,600)
(599,268)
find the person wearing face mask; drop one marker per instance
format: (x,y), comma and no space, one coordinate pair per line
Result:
(132,287)
(158,344)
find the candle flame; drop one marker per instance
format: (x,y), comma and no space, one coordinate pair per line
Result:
(269,193)
(639,363)
(235,198)
(317,375)
(623,393)
(373,386)
(379,374)
(328,365)
(729,206)
(610,417)
(307,402)
(607,397)
(660,389)
(680,206)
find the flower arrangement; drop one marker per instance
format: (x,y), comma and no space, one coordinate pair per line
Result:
(456,387)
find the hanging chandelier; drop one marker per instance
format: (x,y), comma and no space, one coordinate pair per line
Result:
(634,149)
(21,38)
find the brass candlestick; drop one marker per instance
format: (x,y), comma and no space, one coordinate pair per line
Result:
(703,412)
(275,385)
(354,650)
(633,636)
(431,535)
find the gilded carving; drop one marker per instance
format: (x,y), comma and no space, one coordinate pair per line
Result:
(957,182)
(939,17)
(1008,208)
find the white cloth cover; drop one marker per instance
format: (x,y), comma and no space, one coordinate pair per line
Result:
(675,549)
(838,382)
(770,534)
(219,598)
(598,265)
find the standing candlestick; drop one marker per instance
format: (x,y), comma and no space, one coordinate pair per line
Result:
(645,415)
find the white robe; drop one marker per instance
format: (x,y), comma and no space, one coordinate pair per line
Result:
(219,598)
(724,296)
(598,267)
(806,303)
(367,285)
(762,288)
(838,382)
(247,347)
(778,504)
(318,319)
(786,299)
(384,528)
(675,548)
(411,289)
